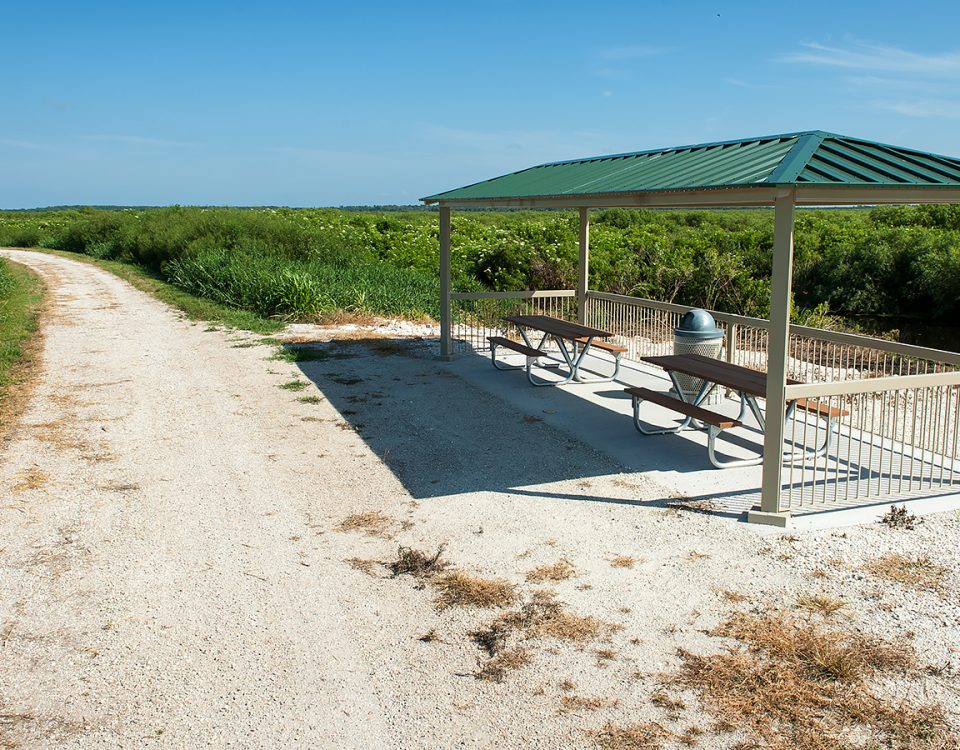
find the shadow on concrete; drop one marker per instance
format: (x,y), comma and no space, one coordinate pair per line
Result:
(439,434)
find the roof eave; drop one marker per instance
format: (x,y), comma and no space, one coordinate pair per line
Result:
(735,196)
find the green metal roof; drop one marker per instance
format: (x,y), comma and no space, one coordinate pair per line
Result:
(808,158)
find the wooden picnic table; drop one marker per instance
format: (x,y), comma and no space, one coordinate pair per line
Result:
(574,342)
(748,384)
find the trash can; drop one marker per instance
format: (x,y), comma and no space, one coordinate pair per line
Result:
(697,334)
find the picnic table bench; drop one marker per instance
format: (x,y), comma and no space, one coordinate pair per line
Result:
(574,343)
(749,384)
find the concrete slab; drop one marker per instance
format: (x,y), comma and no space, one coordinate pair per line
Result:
(600,415)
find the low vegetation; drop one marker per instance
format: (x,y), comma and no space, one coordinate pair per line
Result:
(319,264)
(786,682)
(371,523)
(918,573)
(460,589)
(413,562)
(558,571)
(21,296)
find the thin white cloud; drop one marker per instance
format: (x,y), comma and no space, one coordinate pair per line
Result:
(629,52)
(26,145)
(895,84)
(876,57)
(747,85)
(139,140)
(938,108)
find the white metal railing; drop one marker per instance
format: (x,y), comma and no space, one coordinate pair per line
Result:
(477,315)
(646,326)
(895,437)
(896,432)
(898,406)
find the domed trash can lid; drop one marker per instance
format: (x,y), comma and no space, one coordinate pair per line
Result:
(698,325)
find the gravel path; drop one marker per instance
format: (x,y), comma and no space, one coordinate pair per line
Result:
(173,574)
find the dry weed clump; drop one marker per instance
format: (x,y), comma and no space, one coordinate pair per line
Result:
(735,597)
(416,563)
(821,603)
(371,523)
(898,517)
(364,566)
(541,616)
(920,573)
(496,669)
(788,683)
(459,589)
(30,479)
(577,703)
(559,571)
(644,736)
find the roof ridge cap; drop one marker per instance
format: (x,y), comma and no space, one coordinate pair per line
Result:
(797,158)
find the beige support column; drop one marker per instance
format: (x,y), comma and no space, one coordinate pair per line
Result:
(779,336)
(583,278)
(446,318)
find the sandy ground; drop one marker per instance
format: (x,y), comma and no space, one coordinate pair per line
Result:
(173,575)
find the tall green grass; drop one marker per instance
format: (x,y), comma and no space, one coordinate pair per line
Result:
(21,295)
(274,286)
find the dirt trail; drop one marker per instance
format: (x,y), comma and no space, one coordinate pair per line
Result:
(173,576)
(161,578)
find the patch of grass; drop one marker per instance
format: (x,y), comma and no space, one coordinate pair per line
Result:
(496,668)
(541,616)
(623,561)
(371,523)
(193,306)
(667,702)
(820,603)
(460,589)
(789,683)
(559,571)
(293,385)
(735,597)
(311,399)
(21,299)
(580,703)
(300,353)
(30,479)
(365,566)
(605,656)
(346,379)
(898,517)
(642,736)
(919,573)
(416,563)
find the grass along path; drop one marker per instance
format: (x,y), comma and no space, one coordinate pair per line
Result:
(194,307)
(21,300)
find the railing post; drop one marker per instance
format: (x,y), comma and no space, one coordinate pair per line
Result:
(446,317)
(730,345)
(779,333)
(583,276)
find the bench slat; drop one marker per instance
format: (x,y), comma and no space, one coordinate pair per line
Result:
(605,345)
(820,409)
(697,412)
(516,346)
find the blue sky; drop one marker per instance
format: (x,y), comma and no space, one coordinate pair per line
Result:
(316,104)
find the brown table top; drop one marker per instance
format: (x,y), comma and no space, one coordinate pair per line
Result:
(740,379)
(556,327)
